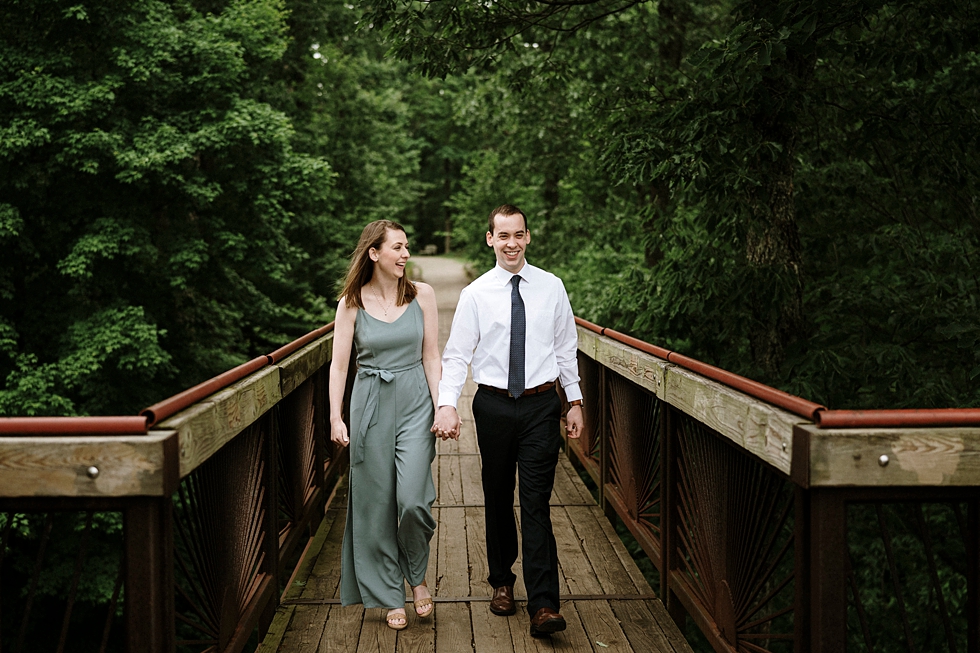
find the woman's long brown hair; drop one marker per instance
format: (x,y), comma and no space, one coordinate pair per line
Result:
(361,267)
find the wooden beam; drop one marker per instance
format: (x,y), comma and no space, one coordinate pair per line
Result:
(302,364)
(207,425)
(152,464)
(89,466)
(758,427)
(915,457)
(639,367)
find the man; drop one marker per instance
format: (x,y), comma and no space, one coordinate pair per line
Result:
(515,325)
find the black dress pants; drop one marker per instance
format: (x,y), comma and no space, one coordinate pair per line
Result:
(520,435)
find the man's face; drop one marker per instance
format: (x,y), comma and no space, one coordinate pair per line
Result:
(509,240)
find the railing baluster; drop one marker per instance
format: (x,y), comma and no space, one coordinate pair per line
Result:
(149,605)
(801,584)
(270,545)
(670,521)
(603,435)
(973,575)
(827,576)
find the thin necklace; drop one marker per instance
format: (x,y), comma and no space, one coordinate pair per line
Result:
(383,308)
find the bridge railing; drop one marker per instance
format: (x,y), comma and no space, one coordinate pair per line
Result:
(772,529)
(759,517)
(169,531)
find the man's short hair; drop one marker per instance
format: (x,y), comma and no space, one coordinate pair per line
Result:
(505,209)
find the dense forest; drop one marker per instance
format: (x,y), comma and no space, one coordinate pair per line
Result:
(785,189)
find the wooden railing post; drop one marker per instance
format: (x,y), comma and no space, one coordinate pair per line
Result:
(603,423)
(669,475)
(270,565)
(801,570)
(149,580)
(827,543)
(973,576)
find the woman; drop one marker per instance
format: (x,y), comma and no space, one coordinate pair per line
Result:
(395,327)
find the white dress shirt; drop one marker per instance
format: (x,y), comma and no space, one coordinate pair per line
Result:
(481,334)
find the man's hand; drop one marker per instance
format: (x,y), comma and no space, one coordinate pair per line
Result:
(574,422)
(446,423)
(338,432)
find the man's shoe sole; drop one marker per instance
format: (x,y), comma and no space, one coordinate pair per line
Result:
(548,627)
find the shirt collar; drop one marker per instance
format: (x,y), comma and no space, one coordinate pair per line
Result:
(504,277)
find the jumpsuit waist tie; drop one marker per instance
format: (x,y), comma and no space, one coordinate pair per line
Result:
(373,377)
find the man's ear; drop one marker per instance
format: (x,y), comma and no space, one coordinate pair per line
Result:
(489,239)
(527,236)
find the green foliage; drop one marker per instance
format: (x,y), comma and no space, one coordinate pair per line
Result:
(784,189)
(86,559)
(159,224)
(180,184)
(898,554)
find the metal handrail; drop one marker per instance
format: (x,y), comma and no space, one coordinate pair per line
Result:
(241,464)
(740,496)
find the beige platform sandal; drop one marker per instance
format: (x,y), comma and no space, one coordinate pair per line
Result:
(423,606)
(397,619)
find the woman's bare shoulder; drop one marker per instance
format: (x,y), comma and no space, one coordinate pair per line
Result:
(345,312)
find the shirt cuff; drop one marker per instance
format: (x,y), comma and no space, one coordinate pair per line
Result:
(447,399)
(572,392)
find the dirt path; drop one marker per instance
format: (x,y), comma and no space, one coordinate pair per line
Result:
(447,276)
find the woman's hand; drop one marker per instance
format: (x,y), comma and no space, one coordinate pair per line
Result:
(446,423)
(338,432)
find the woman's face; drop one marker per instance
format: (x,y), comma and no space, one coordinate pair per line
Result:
(392,255)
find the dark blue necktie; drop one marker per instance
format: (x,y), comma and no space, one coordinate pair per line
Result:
(518,327)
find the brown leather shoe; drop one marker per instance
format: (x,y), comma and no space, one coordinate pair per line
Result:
(545,622)
(502,602)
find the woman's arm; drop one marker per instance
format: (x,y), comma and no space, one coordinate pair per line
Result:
(343,342)
(431,360)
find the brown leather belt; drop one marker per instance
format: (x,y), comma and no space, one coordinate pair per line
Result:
(544,387)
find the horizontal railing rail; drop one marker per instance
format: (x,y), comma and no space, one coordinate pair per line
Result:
(204,501)
(754,504)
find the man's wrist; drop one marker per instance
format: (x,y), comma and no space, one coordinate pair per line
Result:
(575,402)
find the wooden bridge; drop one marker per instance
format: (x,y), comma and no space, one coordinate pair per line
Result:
(230,503)
(605,599)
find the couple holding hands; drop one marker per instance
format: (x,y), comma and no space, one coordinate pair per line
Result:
(515,326)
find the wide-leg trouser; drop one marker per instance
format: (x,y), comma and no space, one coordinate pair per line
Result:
(389,508)
(520,435)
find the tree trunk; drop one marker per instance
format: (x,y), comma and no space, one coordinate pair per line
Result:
(772,244)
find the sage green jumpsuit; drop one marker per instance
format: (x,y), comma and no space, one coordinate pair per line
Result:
(389,507)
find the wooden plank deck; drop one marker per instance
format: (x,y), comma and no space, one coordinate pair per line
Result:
(607,603)
(594,565)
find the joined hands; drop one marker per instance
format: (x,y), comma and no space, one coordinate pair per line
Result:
(446,423)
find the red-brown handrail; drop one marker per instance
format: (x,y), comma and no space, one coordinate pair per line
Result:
(124,425)
(851,419)
(299,343)
(148,417)
(821,415)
